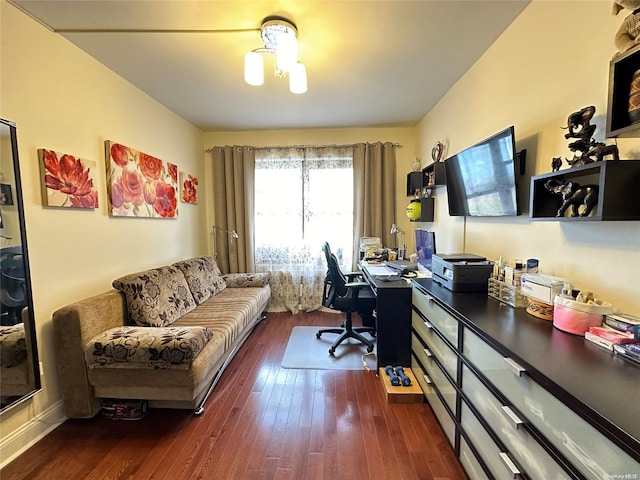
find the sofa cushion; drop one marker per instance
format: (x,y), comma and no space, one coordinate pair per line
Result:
(203,277)
(13,346)
(157,297)
(152,347)
(246,279)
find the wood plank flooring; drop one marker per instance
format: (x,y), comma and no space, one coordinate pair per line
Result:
(261,422)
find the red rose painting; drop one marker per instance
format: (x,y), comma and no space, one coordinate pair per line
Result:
(188,184)
(139,184)
(67,181)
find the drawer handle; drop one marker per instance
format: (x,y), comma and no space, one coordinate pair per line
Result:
(510,465)
(427,379)
(514,366)
(428,353)
(512,416)
(428,324)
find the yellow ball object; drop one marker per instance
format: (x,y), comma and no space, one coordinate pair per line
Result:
(413,210)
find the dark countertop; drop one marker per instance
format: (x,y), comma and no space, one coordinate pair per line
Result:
(596,384)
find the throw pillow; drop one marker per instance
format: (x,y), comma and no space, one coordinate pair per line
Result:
(203,277)
(147,346)
(246,279)
(157,297)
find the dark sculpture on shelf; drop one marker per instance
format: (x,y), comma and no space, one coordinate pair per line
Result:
(584,148)
(600,150)
(556,163)
(574,195)
(579,124)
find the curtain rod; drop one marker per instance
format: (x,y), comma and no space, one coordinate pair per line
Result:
(397,145)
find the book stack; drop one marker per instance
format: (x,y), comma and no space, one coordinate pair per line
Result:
(619,333)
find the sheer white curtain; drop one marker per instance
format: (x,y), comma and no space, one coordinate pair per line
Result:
(303,198)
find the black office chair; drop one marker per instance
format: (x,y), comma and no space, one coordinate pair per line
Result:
(13,291)
(342,293)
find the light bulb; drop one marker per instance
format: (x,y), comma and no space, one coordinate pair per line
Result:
(298,79)
(253,69)
(286,51)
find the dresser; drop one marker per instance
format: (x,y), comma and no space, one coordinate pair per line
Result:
(518,398)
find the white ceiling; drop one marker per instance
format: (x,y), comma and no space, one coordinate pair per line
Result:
(369,63)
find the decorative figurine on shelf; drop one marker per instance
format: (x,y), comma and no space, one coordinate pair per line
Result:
(416,165)
(628,35)
(574,195)
(437,152)
(584,148)
(634,98)
(579,124)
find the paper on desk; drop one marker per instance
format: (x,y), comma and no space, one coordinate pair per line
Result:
(381,271)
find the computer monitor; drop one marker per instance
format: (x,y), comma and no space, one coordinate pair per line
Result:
(425,247)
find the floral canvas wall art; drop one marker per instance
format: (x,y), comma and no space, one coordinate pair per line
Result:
(188,184)
(66,180)
(140,185)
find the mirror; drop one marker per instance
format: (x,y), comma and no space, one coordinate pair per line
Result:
(19,367)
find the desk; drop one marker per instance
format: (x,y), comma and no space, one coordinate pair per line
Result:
(393,320)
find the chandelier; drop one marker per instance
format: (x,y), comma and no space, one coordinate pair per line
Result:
(280,37)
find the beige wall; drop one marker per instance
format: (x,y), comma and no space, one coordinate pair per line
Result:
(553,60)
(62,99)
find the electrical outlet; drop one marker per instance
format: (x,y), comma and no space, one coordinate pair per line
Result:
(41,369)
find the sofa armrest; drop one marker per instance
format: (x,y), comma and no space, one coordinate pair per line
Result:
(74,326)
(235,280)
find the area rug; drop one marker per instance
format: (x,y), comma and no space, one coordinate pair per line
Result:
(304,350)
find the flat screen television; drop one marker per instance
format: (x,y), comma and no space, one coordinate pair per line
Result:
(425,247)
(482,181)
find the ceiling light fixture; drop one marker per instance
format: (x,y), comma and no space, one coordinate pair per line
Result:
(280,37)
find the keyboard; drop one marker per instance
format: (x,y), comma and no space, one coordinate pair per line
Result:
(403,265)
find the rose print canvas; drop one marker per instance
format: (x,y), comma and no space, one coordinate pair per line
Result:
(140,185)
(67,181)
(188,184)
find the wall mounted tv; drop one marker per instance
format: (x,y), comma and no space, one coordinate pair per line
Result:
(482,181)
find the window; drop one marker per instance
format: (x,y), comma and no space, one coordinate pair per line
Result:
(303,198)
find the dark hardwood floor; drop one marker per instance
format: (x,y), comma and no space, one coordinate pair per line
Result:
(261,422)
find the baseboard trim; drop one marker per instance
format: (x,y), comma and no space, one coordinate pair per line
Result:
(31,432)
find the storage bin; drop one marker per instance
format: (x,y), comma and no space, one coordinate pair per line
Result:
(509,294)
(576,317)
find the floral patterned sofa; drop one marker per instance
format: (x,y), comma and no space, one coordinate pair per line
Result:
(163,335)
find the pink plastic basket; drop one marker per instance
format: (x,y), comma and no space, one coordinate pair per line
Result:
(576,317)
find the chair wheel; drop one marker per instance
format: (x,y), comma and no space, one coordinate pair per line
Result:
(318,334)
(370,349)
(332,351)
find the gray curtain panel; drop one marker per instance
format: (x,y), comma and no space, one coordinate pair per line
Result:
(374,193)
(233,184)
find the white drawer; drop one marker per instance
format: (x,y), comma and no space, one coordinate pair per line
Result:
(590,451)
(529,454)
(447,357)
(470,463)
(434,372)
(439,410)
(445,323)
(499,463)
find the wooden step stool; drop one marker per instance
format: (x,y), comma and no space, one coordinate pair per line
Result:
(401,394)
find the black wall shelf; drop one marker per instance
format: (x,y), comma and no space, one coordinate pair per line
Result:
(621,70)
(618,196)
(427,208)
(428,178)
